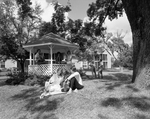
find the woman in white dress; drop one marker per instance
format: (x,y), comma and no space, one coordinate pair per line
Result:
(53,85)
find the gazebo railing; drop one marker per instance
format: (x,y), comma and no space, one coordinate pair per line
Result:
(45,69)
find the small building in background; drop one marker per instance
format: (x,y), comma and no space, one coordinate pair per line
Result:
(8,64)
(106,60)
(2,64)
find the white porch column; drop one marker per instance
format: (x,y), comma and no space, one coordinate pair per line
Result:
(33,56)
(51,53)
(30,58)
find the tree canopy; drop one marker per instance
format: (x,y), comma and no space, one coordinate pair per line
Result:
(138,17)
(58,24)
(18,24)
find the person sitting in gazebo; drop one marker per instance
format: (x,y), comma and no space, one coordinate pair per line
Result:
(69,56)
(39,57)
(59,58)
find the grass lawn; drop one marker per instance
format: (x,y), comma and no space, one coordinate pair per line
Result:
(109,98)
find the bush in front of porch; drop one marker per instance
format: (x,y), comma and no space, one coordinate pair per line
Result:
(18,78)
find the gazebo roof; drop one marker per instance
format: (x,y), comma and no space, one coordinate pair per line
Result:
(50,39)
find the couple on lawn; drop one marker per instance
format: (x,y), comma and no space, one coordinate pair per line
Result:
(63,81)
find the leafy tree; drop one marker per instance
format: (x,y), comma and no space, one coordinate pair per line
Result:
(71,30)
(126,57)
(58,24)
(18,24)
(77,35)
(138,15)
(112,44)
(116,44)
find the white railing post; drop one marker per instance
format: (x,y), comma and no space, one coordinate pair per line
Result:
(30,62)
(51,60)
(33,56)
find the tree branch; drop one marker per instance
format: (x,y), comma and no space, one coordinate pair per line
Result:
(108,9)
(116,4)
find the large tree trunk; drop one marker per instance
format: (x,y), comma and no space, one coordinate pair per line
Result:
(138,13)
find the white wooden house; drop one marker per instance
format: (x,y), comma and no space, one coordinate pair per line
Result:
(106,60)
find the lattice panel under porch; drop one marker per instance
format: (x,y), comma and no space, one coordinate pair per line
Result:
(40,69)
(45,69)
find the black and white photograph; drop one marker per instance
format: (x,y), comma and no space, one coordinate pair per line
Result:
(74,59)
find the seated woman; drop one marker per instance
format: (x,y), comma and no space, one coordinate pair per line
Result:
(53,85)
(75,81)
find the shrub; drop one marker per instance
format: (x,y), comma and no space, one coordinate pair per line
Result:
(36,80)
(16,78)
(41,79)
(26,79)
(82,73)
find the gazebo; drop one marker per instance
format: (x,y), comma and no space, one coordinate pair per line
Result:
(49,44)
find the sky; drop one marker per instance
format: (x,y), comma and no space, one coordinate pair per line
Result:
(78,11)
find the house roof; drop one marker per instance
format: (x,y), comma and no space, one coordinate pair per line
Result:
(50,39)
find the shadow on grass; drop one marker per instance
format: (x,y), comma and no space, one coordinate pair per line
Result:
(38,106)
(111,77)
(141,103)
(113,102)
(102,117)
(3,80)
(118,77)
(23,117)
(148,87)
(139,116)
(116,80)
(2,83)
(132,88)
(112,86)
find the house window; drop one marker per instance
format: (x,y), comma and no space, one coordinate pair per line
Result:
(96,64)
(2,64)
(104,57)
(105,64)
(85,64)
(96,57)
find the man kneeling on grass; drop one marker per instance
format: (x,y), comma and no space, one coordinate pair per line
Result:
(75,81)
